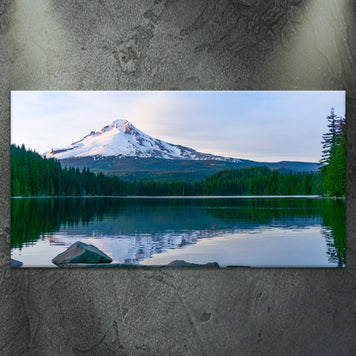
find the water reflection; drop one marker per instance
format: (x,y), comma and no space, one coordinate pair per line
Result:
(132,230)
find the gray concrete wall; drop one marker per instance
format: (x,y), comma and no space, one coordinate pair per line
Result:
(176,45)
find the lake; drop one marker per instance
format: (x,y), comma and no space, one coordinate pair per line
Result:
(233,231)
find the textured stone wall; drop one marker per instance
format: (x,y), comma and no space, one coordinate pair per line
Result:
(176,45)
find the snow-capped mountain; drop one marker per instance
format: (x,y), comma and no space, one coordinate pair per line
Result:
(122,139)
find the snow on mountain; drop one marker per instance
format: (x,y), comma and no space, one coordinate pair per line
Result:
(122,139)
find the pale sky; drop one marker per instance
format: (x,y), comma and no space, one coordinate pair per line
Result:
(258,125)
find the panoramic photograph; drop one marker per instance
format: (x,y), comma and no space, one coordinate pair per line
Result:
(129,179)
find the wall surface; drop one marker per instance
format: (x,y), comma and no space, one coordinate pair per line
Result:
(176,45)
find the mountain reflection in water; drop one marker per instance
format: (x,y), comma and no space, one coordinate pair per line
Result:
(134,229)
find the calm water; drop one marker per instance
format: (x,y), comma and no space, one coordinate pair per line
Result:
(271,232)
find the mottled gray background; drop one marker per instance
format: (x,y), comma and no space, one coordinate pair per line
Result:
(176,45)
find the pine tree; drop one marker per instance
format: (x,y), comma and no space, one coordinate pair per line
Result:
(334,172)
(329,138)
(333,161)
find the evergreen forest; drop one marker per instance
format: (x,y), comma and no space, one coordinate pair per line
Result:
(33,175)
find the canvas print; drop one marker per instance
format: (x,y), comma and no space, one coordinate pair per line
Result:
(177,179)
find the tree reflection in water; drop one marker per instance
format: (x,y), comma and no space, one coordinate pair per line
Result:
(34,217)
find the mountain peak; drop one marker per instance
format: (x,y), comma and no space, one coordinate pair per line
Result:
(122,139)
(122,124)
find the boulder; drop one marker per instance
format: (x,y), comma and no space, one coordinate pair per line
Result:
(81,252)
(182,263)
(15,263)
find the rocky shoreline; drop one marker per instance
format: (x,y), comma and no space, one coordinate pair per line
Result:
(82,255)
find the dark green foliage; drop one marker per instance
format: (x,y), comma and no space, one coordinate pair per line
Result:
(334,157)
(262,181)
(34,175)
(334,172)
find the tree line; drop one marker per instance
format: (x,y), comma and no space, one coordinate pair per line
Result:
(33,175)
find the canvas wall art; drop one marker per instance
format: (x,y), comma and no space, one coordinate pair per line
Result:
(177,179)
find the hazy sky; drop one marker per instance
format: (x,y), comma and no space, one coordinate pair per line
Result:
(258,125)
